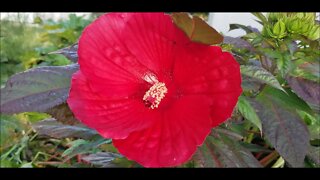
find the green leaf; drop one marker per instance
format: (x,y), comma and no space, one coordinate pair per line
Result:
(197,29)
(5,163)
(223,151)
(308,70)
(102,159)
(313,122)
(33,116)
(270,53)
(53,128)
(81,146)
(283,128)
(279,163)
(240,26)
(37,90)
(261,75)
(314,129)
(248,112)
(27,165)
(70,52)
(287,99)
(284,64)
(75,146)
(261,17)
(10,131)
(306,89)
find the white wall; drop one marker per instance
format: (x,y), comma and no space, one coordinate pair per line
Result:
(221,21)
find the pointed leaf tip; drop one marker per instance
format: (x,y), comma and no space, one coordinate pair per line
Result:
(197,29)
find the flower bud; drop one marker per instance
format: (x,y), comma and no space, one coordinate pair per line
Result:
(314,33)
(273,17)
(293,25)
(310,17)
(305,28)
(279,29)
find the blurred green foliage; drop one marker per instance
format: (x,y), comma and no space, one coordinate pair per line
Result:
(23,46)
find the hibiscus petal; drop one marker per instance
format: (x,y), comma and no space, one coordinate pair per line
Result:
(112,118)
(174,137)
(217,75)
(152,37)
(104,56)
(193,61)
(121,55)
(142,41)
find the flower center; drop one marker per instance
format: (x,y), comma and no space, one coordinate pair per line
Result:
(154,95)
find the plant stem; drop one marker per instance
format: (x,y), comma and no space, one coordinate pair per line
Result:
(268,159)
(279,163)
(264,62)
(250,136)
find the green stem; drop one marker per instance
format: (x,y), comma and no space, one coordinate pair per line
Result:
(38,154)
(250,136)
(279,163)
(4,156)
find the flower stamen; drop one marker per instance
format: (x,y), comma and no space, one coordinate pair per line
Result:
(154,95)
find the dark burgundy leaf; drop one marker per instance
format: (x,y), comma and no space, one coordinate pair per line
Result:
(238,42)
(228,133)
(103,159)
(37,89)
(53,128)
(249,83)
(306,89)
(261,75)
(255,148)
(222,151)
(283,128)
(70,52)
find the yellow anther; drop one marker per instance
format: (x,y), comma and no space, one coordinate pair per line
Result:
(154,95)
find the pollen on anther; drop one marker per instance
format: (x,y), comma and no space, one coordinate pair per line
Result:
(154,95)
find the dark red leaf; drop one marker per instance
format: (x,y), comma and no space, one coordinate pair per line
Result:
(306,89)
(283,128)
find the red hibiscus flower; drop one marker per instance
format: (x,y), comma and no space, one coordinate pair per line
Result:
(146,85)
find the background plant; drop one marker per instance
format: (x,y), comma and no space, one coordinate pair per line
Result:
(276,122)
